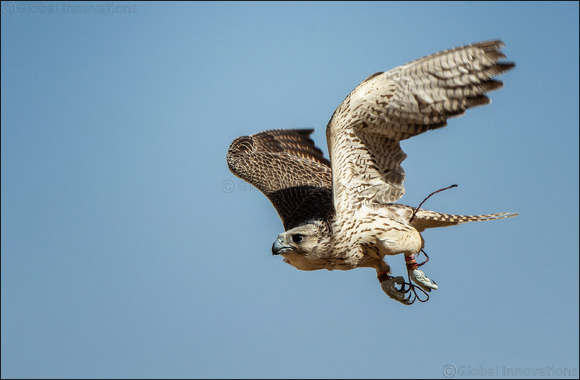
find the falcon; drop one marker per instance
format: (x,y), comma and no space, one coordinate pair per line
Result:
(341,214)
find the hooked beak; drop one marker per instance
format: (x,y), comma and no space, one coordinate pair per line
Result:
(280,246)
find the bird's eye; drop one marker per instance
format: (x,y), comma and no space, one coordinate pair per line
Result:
(297,238)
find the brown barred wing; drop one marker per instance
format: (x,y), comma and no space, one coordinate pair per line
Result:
(287,167)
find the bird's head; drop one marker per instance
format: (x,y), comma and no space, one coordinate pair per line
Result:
(304,246)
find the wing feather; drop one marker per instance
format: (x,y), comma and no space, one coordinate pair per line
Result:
(364,133)
(289,169)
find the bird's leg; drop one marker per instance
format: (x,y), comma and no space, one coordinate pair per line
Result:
(394,287)
(417,275)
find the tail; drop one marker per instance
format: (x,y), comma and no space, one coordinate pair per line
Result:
(431,219)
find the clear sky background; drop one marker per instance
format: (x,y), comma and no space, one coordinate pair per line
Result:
(130,250)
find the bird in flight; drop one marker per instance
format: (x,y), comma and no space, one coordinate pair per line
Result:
(341,214)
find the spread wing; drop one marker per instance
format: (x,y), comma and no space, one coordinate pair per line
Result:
(364,132)
(289,169)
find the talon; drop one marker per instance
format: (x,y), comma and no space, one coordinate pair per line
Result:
(423,281)
(394,287)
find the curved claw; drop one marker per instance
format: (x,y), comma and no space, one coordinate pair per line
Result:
(394,287)
(423,281)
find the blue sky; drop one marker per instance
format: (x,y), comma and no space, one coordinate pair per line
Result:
(130,250)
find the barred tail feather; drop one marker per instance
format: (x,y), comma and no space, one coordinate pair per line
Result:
(431,219)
